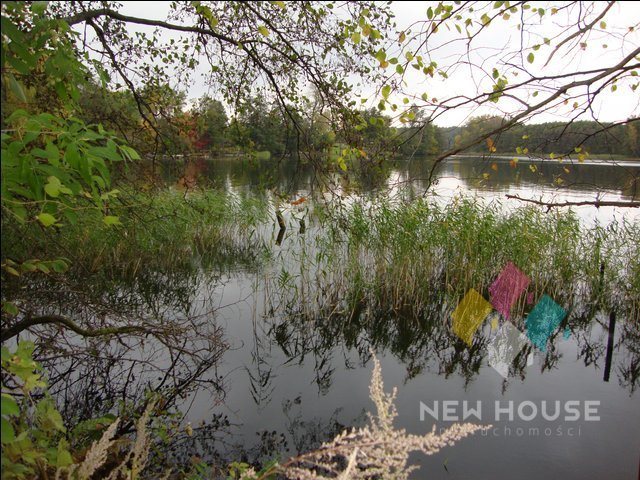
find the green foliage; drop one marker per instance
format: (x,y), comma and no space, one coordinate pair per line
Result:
(37,444)
(398,257)
(260,126)
(211,123)
(169,232)
(52,167)
(38,57)
(33,432)
(52,163)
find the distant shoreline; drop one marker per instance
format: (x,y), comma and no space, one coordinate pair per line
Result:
(614,159)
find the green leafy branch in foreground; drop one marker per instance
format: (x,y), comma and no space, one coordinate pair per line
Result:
(32,428)
(55,167)
(52,167)
(36,443)
(53,164)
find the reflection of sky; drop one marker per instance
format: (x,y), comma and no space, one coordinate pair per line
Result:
(260,375)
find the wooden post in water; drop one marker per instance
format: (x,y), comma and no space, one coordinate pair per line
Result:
(282,226)
(612,329)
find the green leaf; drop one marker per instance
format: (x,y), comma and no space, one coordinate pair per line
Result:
(46,219)
(11,270)
(356,38)
(16,88)
(63,457)
(59,265)
(386,91)
(53,186)
(111,220)
(49,419)
(72,156)
(10,308)
(263,30)
(39,7)
(11,30)
(7,434)
(9,406)
(43,267)
(531,57)
(108,152)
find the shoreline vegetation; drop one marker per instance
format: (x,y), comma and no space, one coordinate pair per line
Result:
(544,157)
(266,155)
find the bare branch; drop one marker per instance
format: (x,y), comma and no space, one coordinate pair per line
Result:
(594,203)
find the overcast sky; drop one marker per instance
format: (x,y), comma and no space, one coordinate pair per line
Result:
(609,107)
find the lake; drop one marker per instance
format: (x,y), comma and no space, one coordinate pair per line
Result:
(290,382)
(297,371)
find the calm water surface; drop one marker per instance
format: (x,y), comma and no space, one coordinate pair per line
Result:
(295,375)
(291,382)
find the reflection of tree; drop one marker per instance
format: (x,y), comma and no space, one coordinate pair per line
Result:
(176,346)
(215,441)
(262,375)
(628,348)
(309,434)
(164,334)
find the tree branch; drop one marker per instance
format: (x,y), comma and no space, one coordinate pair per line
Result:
(106,12)
(593,203)
(534,108)
(29,322)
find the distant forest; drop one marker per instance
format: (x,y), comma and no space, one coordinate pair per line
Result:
(547,138)
(260,125)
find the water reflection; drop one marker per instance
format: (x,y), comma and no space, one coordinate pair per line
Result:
(484,174)
(299,336)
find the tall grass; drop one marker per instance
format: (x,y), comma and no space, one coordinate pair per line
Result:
(395,258)
(159,231)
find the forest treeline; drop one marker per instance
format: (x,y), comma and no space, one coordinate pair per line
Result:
(260,125)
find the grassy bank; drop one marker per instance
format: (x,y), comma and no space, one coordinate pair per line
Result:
(158,231)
